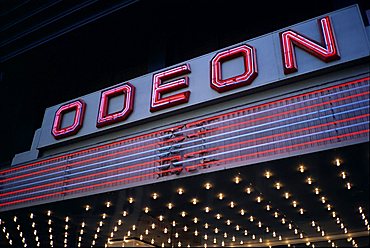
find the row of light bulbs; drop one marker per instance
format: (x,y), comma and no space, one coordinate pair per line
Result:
(7,234)
(100,225)
(286,195)
(218,216)
(23,239)
(232,204)
(33,225)
(268,174)
(329,207)
(220,196)
(50,228)
(194,201)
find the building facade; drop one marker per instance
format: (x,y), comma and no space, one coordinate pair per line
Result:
(256,140)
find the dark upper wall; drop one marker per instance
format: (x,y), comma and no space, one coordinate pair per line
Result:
(141,37)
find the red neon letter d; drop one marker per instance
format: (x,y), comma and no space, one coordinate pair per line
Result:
(105,118)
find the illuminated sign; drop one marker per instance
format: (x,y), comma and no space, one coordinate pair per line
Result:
(313,45)
(291,125)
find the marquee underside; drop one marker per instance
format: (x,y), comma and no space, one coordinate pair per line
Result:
(327,204)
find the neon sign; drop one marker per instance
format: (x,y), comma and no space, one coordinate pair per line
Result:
(260,63)
(326,53)
(248,54)
(105,118)
(79,108)
(159,102)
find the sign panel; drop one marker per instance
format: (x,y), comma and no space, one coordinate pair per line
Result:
(315,120)
(323,42)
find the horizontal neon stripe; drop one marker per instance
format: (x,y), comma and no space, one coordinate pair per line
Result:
(207,143)
(187,168)
(336,129)
(286,133)
(190,160)
(191,129)
(181,138)
(86,176)
(281,100)
(280,148)
(186,155)
(252,120)
(23,185)
(172,128)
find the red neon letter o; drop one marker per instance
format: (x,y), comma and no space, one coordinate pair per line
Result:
(57,131)
(250,68)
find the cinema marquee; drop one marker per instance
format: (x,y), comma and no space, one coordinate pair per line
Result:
(263,143)
(292,52)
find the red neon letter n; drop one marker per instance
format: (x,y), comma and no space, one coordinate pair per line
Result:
(326,53)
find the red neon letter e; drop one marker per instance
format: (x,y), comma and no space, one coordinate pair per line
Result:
(104,118)
(326,53)
(250,68)
(79,107)
(158,101)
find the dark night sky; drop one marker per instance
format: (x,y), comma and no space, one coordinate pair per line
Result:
(118,47)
